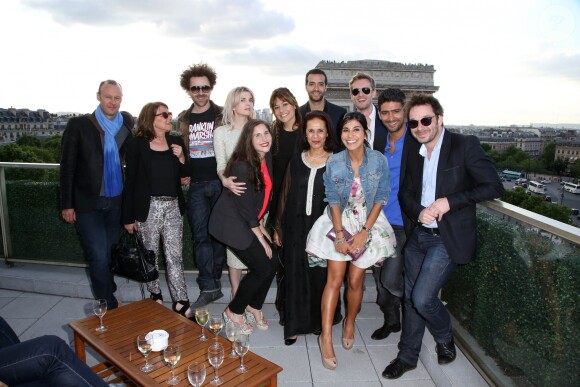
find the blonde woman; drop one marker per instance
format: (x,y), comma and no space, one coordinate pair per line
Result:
(238,109)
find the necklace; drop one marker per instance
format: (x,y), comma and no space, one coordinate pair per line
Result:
(315,157)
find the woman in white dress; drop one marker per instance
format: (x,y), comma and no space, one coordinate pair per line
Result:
(356,185)
(238,109)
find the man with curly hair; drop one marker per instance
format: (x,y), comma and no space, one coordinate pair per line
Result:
(196,126)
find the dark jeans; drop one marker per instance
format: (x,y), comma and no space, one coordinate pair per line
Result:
(99,230)
(254,286)
(389,281)
(210,255)
(427,268)
(43,361)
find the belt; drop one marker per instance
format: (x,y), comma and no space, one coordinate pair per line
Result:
(428,230)
(163,198)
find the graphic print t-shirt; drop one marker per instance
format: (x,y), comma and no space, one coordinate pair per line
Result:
(202,158)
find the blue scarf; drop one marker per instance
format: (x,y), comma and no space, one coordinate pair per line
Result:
(112,175)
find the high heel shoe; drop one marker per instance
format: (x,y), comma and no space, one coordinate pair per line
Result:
(261,324)
(184,308)
(328,363)
(245,328)
(346,343)
(157,297)
(290,340)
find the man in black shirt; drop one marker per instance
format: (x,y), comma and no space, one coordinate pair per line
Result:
(196,125)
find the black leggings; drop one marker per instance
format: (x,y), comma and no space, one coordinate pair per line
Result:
(254,286)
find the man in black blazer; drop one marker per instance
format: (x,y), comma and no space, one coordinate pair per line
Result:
(83,195)
(446,175)
(362,93)
(316,84)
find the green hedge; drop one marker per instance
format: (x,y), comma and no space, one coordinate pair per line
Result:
(38,232)
(520,300)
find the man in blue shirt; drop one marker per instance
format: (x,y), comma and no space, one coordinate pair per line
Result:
(389,277)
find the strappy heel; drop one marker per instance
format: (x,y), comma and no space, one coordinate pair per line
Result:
(157,297)
(184,308)
(346,343)
(245,328)
(261,324)
(328,363)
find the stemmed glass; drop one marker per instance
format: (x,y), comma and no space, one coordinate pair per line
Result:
(171,355)
(145,345)
(202,317)
(100,308)
(242,346)
(216,324)
(215,354)
(232,333)
(196,373)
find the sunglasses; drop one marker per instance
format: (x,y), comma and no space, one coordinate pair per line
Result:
(365,90)
(199,89)
(164,114)
(425,121)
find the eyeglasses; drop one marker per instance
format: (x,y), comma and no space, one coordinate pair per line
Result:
(365,90)
(164,114)
(199,89)
(425,121)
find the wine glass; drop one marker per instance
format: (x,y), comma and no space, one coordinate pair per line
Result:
(145,345)
(171,355)
(100,308)
(202,317)
(196,373)
(215,354)
(216,324)
(232,333)
(242,346)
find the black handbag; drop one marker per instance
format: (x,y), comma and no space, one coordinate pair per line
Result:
(130,258)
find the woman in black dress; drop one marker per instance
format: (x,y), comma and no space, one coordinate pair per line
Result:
(301,203)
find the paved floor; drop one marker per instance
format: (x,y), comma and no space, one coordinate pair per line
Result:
(41,299)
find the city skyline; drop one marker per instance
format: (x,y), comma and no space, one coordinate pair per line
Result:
(496,63)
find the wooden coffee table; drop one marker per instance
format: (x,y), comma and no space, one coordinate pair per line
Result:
(118,346)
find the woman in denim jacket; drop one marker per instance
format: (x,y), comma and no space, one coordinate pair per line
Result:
(356,184)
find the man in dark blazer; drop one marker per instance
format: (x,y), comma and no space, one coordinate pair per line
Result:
(362,92)
(446,175)
(389,276)
(316,84)
(89,196)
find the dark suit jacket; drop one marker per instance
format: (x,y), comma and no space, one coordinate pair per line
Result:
(233,217)
(82,160)
(137,191)
(409,140)
(465,176)
(380,140)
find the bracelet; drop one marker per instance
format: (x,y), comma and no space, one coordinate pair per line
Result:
(368,230)
(338,241)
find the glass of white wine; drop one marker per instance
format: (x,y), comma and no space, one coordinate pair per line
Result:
(100,308)
(196,373)
(171,355)
(145,345)
(232,333)
(242,346)
(215,355)
(216,323)
(202,317)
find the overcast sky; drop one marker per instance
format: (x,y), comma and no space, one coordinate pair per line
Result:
(497,61)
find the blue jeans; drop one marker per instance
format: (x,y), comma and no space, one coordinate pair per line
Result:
(43,361)
(99,230)
(210,255)
(389,281)
(427,268)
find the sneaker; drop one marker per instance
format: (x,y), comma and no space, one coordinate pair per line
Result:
(206,298)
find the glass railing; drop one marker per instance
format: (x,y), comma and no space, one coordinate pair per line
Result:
(515,306)
(32,229)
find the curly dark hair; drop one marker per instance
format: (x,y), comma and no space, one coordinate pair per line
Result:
(330,144)
(245,152)
(198,70)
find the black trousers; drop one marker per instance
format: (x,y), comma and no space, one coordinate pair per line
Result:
(254,286)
